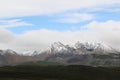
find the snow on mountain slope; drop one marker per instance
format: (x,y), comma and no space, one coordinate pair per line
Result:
(8,51)
(10,57)
(31,52)
(79,48)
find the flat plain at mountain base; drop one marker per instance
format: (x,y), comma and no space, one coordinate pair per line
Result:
(72,72)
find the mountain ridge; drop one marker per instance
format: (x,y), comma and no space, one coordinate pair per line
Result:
(93,54)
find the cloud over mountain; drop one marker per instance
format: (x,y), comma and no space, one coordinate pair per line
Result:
(106,32)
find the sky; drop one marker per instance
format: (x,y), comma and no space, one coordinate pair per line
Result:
(36,24)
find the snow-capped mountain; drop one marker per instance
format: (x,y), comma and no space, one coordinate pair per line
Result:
(58,47)
(31,53)
(10,57)
(96,54)
(79,48)
(8,51)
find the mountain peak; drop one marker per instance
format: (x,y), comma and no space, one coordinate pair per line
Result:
(81,48)
(10,51)
(90,47)
(31,52)
(7,51)
(58,47)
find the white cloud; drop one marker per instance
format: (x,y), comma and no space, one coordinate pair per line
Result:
(41,39)
(75,17)
(107,32)
(18,8)
(14,23)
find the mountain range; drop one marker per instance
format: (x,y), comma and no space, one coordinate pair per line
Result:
(91,54)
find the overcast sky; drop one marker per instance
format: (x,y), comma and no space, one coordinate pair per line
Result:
(35,24)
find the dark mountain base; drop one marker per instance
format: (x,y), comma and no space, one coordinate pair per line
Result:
(72,72)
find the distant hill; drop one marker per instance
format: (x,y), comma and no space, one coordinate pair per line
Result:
(41,63)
